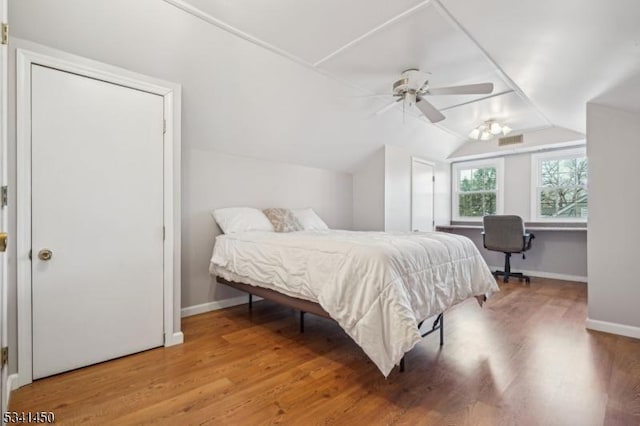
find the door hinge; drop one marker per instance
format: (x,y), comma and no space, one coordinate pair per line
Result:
(5,356)
(164,233)
(164,126)
(4,196)
(5,33)
(433,178)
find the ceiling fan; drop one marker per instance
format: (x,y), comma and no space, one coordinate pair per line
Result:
(413,87)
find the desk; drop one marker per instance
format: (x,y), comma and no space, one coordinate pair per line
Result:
(554,228)
(557,252)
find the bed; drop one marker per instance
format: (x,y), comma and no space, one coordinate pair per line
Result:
(377,286)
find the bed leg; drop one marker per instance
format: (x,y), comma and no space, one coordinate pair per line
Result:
(250,302)
(301,321)
(402,365)
(442,329)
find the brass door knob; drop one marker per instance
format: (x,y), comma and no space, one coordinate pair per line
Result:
(45,254)
(3,241)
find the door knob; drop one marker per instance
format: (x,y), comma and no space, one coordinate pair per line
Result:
(45,254)
(3,241)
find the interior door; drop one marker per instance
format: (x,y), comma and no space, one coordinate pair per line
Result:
(97,220)
(421,196)
(3,209)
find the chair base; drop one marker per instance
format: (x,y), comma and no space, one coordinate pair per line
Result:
(519,275)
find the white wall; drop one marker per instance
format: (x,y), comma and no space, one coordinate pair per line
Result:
(613,148)
(368,193)
(517,185)
(212,180)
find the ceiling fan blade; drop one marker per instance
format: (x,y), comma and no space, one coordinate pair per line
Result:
(429,110)
(388,107)
(374,95)
(469,89)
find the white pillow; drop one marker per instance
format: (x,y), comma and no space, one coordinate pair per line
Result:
(309,220)
(241,219)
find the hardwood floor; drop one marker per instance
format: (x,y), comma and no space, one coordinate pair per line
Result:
(525,359)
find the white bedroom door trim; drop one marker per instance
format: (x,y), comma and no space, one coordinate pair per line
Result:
(5,390)
(171,94)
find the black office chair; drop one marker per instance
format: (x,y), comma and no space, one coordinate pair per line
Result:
(506,233)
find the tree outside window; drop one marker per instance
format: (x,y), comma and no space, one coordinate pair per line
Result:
(477,192)
(562,190)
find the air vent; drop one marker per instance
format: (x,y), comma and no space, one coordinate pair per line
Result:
(510,140)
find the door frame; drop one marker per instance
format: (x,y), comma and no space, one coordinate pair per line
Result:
(415,160)
(171,92)
(5,382)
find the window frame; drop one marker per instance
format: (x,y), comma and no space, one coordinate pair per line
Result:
(536,179)
(456,168)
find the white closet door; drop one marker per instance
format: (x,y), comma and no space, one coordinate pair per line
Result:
(97,207)
(421,196)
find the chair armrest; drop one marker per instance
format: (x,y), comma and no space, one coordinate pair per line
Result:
(526,240)
(483,239)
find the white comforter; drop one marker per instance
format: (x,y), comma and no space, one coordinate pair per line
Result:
(376,285)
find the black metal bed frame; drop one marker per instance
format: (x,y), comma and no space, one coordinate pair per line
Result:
(438,324)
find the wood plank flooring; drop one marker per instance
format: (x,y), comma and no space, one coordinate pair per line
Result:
(523,359)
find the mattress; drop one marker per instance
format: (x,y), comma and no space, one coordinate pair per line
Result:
(376,285)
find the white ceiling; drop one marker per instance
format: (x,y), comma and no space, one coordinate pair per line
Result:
(305,104)
(562,54)
(550,56)
(238,97)
(310,29)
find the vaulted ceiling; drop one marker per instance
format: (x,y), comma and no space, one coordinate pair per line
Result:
(546,58)
(291,80)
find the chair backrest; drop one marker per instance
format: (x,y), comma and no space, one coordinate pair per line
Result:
(504,233)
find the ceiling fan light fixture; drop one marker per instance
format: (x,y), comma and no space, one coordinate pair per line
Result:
(409,99)
(488,130)
(475,134)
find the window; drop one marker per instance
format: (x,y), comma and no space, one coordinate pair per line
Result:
(559,186)
(477,188)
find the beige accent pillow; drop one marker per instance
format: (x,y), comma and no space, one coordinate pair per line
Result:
(283,220)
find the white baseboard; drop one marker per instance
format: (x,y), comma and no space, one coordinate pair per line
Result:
(174,339)
(542,274)
(12,381)
(215,305)
(12,384)
(613,328)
